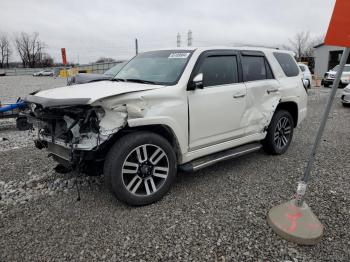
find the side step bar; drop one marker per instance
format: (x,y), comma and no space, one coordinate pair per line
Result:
(220,156)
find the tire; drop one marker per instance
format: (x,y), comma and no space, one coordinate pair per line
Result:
(137,178)
(325,85)
(346,105)
(22,124)
(279,133)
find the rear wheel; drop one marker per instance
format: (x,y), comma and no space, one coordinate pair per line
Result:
(140,168)
(279,133)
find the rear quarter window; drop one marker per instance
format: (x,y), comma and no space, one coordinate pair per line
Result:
(255,68)
(288,64)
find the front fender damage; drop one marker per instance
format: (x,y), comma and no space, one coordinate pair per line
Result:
(71,134)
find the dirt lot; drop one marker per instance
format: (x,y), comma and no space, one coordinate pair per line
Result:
(218,213)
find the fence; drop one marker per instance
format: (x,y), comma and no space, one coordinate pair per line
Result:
(98,68)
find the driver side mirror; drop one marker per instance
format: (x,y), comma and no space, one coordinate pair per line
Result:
(197,82)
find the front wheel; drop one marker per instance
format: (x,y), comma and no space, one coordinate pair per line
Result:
(140,168)
(279,133)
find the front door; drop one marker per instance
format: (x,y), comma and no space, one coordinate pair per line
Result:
(216,110)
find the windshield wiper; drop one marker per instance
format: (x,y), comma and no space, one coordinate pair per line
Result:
(118,80)
(140,81)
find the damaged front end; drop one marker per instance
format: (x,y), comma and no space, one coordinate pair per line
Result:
(76,135)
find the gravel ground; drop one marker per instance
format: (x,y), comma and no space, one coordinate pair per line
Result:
(216,214)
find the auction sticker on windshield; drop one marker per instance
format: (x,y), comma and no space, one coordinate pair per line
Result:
(179,55)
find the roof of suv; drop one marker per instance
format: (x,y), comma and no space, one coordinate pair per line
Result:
(248,48)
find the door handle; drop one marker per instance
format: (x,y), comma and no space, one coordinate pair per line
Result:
(238,95)
(272,90)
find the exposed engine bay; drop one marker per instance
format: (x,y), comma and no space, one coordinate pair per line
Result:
(72,133)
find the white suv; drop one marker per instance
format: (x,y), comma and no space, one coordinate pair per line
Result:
(329,77)
(169,109)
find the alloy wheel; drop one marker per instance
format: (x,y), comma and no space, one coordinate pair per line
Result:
(282,133)
(145,170)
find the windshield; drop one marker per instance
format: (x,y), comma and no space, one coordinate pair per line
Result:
(346,68)
(115,69)
(157,67)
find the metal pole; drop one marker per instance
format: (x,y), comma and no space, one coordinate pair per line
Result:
(65,66)
(303,184)
(136,46)
(178,40)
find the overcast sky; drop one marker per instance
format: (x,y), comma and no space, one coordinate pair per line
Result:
(90,29)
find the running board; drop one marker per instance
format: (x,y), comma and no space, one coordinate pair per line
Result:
(218,157)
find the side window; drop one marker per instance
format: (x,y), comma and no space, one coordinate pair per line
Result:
(219,70)
(255,68)
(287,63)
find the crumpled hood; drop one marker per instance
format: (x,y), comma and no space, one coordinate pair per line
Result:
(86,93)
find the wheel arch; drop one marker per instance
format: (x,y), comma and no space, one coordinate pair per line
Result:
(162,130)
(292,108)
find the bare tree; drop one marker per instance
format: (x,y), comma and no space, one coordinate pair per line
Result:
(310,49)
(46,60)
(303,45)
(29,48)
(5,50)
(299,44)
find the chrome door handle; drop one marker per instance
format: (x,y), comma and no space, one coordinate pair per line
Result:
(272,90)
(238,95)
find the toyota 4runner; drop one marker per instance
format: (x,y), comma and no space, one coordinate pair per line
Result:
(172,109)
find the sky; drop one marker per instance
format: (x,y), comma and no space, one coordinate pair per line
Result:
(91,29)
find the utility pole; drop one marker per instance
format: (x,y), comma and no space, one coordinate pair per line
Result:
(136,46)
(178,40)
(189,38)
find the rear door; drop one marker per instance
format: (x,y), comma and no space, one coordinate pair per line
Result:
(263,92)
(216,110)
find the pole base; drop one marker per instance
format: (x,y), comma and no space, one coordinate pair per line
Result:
(295,224)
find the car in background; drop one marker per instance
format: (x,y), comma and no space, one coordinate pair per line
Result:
(48,72)
(307,76)
(329,77)
(345,96)
(84,78)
